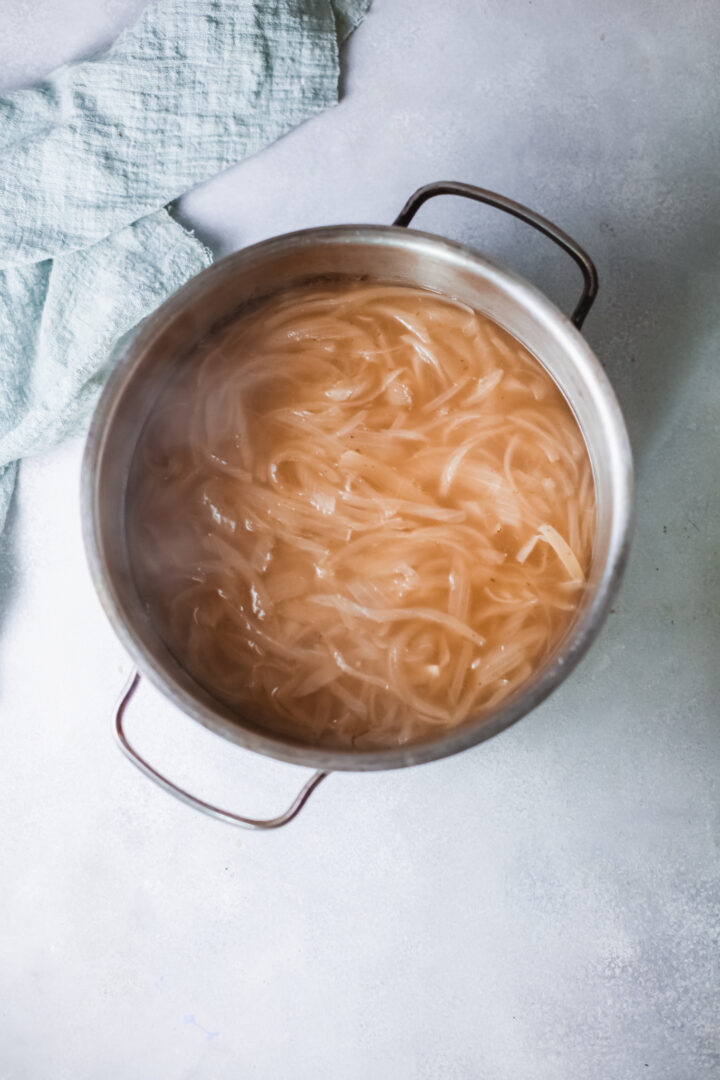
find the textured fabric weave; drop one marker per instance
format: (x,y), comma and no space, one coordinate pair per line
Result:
(89,159)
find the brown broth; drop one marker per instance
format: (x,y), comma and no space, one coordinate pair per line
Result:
(361,514)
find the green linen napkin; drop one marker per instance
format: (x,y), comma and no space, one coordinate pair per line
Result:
(89,159)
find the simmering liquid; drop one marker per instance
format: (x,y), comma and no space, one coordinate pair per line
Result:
(361,514)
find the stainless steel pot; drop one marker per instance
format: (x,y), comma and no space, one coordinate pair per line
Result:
(389,254)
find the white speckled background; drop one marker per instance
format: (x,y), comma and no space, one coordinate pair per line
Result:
(543,907)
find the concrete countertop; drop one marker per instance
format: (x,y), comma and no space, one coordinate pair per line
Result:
(545,906)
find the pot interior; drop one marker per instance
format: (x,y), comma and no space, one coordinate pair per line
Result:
(384,255)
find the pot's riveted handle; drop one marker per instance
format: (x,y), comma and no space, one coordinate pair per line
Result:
(469,191)
(192,800)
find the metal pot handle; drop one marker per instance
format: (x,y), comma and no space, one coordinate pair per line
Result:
(192,800)
(469,191)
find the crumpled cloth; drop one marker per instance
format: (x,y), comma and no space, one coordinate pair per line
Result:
(90,158)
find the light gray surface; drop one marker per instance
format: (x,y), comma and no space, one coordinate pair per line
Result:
(545,906)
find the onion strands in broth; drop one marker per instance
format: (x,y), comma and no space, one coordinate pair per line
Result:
(361,514)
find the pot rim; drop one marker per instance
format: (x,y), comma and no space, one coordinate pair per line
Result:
(221,720)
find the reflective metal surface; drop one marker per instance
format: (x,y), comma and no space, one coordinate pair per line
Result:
(516,209)
(261,824)
(384,253)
